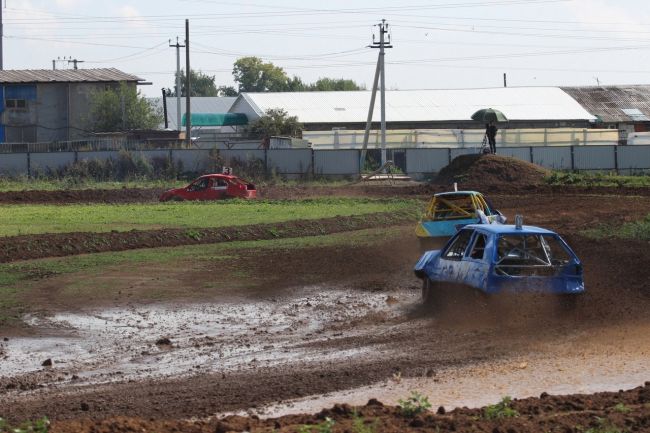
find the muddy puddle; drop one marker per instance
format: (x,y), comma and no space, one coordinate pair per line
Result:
(151,341)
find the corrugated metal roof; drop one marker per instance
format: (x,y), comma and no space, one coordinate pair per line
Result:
(517,103)
(608,102)
(200,104)
(65,76)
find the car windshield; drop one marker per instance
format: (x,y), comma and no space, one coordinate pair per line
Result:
(530,255)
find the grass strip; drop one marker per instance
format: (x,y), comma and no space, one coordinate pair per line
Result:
(638,230)
(65,244)
(41,218)
(597,179)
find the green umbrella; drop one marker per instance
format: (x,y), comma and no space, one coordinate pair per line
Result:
(487,115)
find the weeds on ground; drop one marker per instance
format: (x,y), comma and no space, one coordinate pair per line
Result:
(324,427)
(415,404)
(603,427)
(39,426)
(622,408)
(500,410)
(359,424)
(597,179)
(633,230)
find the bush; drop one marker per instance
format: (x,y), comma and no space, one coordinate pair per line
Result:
(127,166)
(500,410)
(415,404)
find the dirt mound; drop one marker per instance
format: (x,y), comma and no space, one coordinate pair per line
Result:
(492,170)
(606,411)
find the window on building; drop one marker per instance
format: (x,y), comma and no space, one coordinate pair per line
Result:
(15,103)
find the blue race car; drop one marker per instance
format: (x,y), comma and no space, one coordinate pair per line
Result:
(495,258)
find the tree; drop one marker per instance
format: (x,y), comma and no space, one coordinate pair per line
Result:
(200,83)
(227,91)
(330,84)
(253,75)
(122,109)
(275,122)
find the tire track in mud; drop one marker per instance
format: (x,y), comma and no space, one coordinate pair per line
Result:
(13,248)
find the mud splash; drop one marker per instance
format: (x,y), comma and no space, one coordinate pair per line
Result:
(175,340)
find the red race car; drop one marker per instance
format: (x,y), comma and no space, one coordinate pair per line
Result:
(212,187)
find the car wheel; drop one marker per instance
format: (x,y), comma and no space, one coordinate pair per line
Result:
(430,292)
(176,198)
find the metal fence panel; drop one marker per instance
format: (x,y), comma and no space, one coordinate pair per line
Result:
(13,164)
(463,151)
(633,157)
(100,154)
(594,158)
(556,157)
(336,162)
(426,160)
(522,153)
(289,161)
(192,159)
(242,155)
(151,154)
(52,160)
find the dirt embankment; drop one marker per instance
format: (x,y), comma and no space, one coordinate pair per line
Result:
(492,170)
(601,412)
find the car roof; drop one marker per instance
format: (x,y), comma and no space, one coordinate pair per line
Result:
(440,194)
(221,175)
(509,229)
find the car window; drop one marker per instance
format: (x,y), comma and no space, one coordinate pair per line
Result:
(220,183)
(453,207)
(530,254)
(478,249)
(456,249)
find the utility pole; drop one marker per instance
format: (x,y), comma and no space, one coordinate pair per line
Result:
(188,86)
(380,75)
(75,62)
(164,96)
(2,36)
(178,82)
(505,82)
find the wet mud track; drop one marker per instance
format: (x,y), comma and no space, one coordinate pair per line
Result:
(359,324)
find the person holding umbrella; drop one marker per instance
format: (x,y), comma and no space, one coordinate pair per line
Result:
(491,133)
(490,116)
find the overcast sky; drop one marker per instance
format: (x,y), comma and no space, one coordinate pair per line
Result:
(441,44)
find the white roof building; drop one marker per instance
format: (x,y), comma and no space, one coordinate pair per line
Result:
(199,104)
(417,106)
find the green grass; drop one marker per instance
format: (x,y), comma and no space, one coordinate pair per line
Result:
(639,230)
(37,219)
(597,179)
(18,279)
(38,426)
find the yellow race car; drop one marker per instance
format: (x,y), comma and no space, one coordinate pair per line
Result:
(447,212)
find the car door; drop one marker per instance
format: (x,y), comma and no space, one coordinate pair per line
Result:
(451,268)
(196,190)
(475,266)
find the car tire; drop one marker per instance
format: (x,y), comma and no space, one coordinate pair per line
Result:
(176,198)
(430,292)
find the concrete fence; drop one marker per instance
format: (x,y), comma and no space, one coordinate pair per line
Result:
(293,163)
